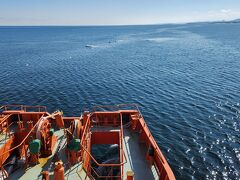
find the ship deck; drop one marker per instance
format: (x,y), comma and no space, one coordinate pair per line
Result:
(135,156)
(134,153)
(133,150)
(110,141)
(46,164)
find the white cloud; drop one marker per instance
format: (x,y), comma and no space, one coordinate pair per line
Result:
(223,14)
(225,10)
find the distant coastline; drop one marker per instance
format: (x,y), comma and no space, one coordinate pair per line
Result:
(119,25)
(231,21)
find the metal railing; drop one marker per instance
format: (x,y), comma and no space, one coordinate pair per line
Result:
(159,161)
(23,141)
(104,165)
(4,122)
(84,150)
(23,108)
(121,147)
(117,108)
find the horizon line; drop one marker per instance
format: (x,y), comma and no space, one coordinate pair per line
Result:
(99,25)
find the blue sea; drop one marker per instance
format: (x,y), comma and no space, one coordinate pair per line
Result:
(184,77)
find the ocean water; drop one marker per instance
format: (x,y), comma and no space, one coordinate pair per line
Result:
(185,78)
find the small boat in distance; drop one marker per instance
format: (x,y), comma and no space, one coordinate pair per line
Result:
(90,46)
(109,142)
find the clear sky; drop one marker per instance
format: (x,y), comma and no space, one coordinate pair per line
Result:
(115,12)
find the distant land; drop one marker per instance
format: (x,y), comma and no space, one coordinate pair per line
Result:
(231,21)
(194,22)
(215,22)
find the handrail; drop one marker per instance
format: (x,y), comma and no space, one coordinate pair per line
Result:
(122,156)
(22,140)
(157,151)
(7,128)
(44,108)
(5,118)
(96,160)
(99,176)
(122,151)
(90,153)
(159,154)
(118,107)
(24,107)
(84,130)
(12,105)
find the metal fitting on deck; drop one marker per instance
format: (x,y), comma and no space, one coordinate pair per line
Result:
(130,175)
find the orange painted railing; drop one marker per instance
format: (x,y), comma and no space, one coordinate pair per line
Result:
(98,164)
(23,141)
(117,107)
(3,120)
(121,146)
(162,167)
(84,148)
(23,108)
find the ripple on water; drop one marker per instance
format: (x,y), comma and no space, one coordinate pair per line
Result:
(185,78)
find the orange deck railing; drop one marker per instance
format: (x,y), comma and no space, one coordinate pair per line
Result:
(85,150)
(163,169)
(22,142)
(23,108)
(161,165)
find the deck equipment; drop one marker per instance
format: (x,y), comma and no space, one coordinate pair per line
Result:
(108,142)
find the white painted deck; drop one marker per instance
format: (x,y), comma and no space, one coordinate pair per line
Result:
(135,156)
